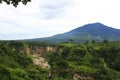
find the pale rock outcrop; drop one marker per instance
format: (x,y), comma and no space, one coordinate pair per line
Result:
(40,61)
(78,77)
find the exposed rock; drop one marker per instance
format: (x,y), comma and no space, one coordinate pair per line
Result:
(38,60)
(41,50)
(27,49)
(78,77)
(35,49)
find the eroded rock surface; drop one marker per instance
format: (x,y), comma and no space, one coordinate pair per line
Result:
(40,61)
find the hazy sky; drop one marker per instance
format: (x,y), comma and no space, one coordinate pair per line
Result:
(42,18)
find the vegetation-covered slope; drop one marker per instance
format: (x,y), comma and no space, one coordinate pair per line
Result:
(95,31)
(70,61)
(96,61)
(18,66)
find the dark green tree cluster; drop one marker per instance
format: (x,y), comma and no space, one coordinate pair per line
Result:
(98,61)
(18,66)
(95,61)
(15,3)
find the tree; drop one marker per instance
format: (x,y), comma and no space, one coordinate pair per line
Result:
(117,62)
(105,41)
(71,40)
(15,2)
(93,41)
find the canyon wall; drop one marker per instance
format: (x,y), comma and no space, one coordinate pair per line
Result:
(35,49)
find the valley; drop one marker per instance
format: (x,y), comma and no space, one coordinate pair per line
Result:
(63,61)
(90,52)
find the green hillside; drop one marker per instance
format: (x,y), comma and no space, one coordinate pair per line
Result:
(70,61)
(89,32)
(18,66)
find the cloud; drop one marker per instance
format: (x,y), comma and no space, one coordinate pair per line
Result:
(55,8)
(55,4)
(42,18)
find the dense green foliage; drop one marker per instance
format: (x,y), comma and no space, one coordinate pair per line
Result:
(96,61)
(18,66)
(100,61)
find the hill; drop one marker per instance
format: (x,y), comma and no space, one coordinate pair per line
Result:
(70,61)
(89,32)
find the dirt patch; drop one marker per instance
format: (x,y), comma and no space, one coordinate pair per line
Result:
(40,61)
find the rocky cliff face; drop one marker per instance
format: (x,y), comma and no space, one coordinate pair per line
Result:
(78,77)
(35,49)
(40,61)
(36,52)
(41,50)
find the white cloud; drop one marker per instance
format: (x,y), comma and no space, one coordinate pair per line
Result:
(42,18)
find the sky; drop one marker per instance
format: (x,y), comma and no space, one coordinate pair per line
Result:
(44,18)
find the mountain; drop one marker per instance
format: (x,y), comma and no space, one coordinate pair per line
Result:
(94,31)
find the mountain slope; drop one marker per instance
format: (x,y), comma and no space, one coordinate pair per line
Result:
(95,31)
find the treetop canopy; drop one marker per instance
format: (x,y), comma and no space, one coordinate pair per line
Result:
(15,3)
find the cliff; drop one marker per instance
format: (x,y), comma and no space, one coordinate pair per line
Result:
(35,49)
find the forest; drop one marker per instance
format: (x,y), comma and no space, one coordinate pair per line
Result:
(69,61)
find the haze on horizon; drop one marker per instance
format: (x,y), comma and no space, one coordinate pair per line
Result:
(49,17)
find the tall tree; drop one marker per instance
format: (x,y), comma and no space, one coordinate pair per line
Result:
(15,3)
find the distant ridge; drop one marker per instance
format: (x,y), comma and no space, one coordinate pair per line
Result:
(95,31)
